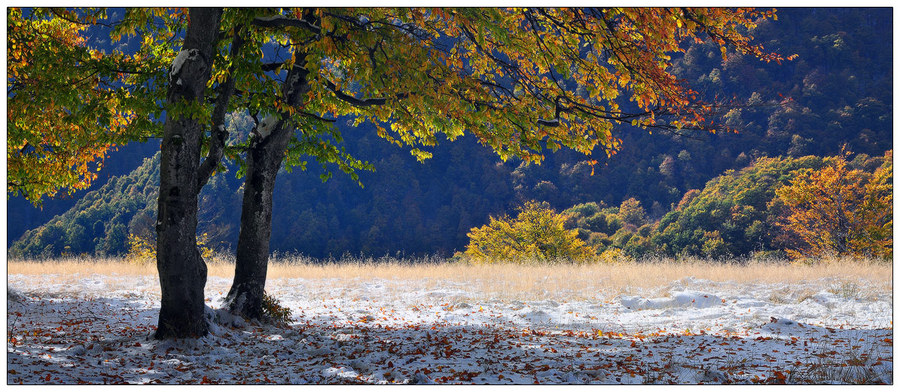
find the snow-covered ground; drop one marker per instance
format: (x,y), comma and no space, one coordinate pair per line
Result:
(97,329)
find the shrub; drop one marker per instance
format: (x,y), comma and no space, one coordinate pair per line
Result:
(537,232)
(273,310)
(140,250)
(143,250)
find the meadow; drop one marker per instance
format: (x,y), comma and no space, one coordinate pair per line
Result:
(502,280)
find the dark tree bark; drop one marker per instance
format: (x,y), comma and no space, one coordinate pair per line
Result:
(182,272)
(263,161)
(264,158)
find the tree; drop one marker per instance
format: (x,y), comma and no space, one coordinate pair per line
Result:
(840,211)
(536,233)
(182,272)
(632,213)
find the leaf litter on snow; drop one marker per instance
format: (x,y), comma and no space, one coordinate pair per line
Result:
(99,331)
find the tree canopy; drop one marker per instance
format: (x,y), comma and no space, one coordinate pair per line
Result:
(66,103)
(521,80)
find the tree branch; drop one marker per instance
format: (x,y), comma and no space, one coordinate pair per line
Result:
(549,123)
(56,12)
(317,117)
(555,122)
(271,66)
(218,133)
(283,21)
(365,102)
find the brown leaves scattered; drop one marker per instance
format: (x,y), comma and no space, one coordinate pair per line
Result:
(111,348)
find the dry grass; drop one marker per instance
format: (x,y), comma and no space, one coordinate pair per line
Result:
(501,281)
(218,266)
(78,265)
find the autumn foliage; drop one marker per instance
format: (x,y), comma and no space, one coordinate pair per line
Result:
(66,103)
(537,233)
(508,76)
(840,210)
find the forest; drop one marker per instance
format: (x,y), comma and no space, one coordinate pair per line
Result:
(834,99)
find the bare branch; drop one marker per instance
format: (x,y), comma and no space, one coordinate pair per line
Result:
(317,117)
(283,21)
(271,66)
(366,102)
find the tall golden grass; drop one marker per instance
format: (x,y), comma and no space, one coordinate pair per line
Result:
(506,280)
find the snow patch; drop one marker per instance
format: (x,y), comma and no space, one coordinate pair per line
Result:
(684,299)
(342,372)
(182,56)
(178,63)
(222,317)
(783,325)
(266,126)
(537,317)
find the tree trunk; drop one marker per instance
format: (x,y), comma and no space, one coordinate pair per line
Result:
(263,161)
(182,272)
(264,158)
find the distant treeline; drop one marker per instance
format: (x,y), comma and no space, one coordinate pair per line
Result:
(735,215)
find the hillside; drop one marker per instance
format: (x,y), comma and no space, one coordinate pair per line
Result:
(839,91)
(733,215)
(23,216)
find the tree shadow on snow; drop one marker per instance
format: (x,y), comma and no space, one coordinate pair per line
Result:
(109,340)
